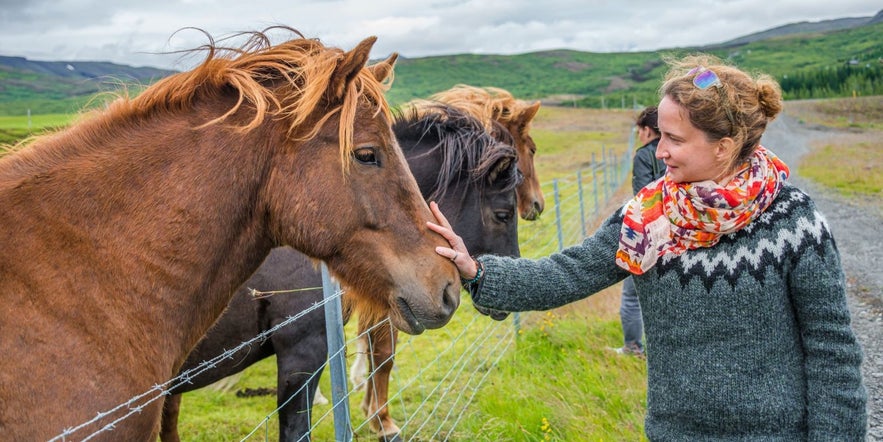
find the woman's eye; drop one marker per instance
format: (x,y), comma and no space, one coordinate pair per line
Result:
(366,155)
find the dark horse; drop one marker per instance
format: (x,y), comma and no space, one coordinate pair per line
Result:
(456,163)
(498,109)
(124,237)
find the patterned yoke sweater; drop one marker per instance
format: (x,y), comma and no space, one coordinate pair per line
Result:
(747,340)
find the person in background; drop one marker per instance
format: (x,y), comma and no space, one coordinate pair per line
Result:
(743,296)
(646,168)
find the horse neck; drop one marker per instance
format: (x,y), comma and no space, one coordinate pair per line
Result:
(169,211)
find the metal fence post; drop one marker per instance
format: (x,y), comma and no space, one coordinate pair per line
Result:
(604,172)
(595,182)
(582,208)
(337,362)
(558,214)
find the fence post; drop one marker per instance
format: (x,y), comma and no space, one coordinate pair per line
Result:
(582,206)
(558,214)
(595,182)
(337,362)
(604,171)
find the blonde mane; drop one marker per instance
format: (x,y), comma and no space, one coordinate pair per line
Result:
(488,104)
(286,82)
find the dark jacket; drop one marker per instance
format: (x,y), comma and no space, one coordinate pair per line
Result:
(646,168)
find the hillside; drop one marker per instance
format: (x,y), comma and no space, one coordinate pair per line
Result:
(802,53)
(616,79)
(803,28)
(61,86)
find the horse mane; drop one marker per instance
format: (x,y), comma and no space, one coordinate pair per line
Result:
(488,104)
(287,81)
(464,143)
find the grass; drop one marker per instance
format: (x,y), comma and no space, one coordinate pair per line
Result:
(16,128)
(846,157)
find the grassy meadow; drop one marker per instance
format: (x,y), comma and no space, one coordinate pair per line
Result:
(555,378)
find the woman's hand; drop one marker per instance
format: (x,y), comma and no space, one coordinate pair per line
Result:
(457,253)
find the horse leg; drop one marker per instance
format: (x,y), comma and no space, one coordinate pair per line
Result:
(299,362)
(171,408)
(381,342)
(319,398)
(359,370)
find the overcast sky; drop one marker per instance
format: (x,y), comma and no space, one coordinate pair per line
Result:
(128,32)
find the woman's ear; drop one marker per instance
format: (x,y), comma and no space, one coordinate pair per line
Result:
(725,150)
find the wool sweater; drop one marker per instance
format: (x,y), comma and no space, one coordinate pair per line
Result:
(749,339)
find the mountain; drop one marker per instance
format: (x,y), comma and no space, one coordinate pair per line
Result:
(803,27)
(79,70)
(63,86)
(793,51)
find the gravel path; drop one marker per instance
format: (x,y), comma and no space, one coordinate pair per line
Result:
(856,228)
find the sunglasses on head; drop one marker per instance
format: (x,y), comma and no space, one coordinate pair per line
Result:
(705,78)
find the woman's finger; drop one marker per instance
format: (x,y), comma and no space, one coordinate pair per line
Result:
(439,216)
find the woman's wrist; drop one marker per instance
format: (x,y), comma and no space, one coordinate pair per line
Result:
(479,273)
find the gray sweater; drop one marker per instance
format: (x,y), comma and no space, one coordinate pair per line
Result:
(747,340)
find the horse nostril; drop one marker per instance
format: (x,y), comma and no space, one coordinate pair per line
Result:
(537,207)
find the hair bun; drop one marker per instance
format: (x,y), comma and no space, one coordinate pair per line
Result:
(769,97)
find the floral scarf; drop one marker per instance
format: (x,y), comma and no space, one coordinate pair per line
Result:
(671,218)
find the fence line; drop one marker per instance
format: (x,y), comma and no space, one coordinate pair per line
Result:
(484,352)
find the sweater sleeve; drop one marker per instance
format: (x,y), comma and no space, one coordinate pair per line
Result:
(836,398)
(523,284)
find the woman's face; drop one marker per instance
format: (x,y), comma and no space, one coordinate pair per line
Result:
(687,153)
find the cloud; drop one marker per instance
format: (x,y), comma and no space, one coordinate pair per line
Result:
(134,32)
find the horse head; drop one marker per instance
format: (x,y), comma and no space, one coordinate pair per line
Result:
(491,105)
(369,217)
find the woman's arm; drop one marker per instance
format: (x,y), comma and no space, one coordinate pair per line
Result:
(836,398)
(521,284)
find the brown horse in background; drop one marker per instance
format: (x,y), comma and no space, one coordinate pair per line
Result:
(149,214)
(491,105)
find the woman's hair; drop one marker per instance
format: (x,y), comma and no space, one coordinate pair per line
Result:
(648,117)
(740,107)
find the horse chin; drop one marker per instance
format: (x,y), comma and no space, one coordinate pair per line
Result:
(404,319)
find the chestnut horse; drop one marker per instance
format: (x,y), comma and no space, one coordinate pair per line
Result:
(491,105)
(125,236)
(456,163)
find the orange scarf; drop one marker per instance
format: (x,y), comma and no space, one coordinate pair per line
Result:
(667,217)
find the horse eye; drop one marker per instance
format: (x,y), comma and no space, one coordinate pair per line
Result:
(503,216)
(366,155)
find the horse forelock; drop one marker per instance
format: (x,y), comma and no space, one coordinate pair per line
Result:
(487,104)
(463,142)
(288,81)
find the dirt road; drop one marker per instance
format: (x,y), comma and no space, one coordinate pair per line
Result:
(856,225)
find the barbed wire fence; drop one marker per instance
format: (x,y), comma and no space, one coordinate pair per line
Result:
(430,389)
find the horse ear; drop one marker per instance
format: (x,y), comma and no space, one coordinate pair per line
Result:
(348,68)
(498,169)
(383,69)
(529,112)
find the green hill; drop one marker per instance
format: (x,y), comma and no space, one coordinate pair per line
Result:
(810,62)
(593,79)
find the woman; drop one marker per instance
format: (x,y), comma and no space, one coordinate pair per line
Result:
(747,329)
